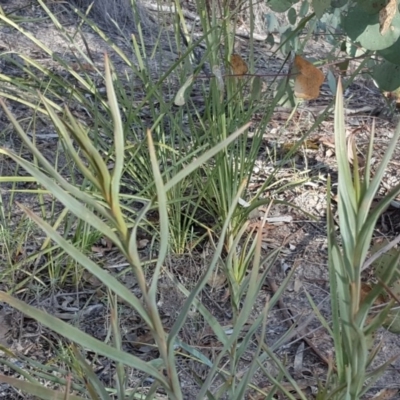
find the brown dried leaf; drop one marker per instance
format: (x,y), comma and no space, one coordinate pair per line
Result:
(328,141)
(82,67)
(386,394)
(145,338)
(386,16)
(106,246)
(217,280)
(308,79)
(141,244)
(239,66)
(91,279)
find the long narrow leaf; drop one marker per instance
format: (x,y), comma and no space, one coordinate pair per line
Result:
(83,339)
(37,390)
(204,157)
(70,202)
(62,129)
(163,213)
(347,200)
(119,143)
(49,168)
(90,375)
(108,280)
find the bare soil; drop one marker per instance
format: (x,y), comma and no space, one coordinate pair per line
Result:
(303,240)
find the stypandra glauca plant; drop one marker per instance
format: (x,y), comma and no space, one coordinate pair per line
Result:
(353,324)
(141,94)
(104,212)
(232,100)
(206,118)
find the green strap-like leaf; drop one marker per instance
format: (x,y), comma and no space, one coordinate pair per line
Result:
(83,339)
(112,283)
(38,390)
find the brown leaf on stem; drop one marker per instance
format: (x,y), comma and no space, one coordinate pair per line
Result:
(239,66)
(308,79)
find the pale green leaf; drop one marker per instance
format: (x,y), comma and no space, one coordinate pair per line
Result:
(180,96)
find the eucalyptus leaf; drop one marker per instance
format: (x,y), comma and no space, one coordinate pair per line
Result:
(364,28)
(281,5)
(320,6)
(292,16)
(392,53)
(372,6)
(387,76)
(304,8)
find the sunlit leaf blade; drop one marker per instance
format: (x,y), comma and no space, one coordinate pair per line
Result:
(180,96)
(49,168)
(347,200)
(163,213)
(80,135)
(63,131)
(119,144)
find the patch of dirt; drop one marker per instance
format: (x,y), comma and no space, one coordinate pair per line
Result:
(303,239)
